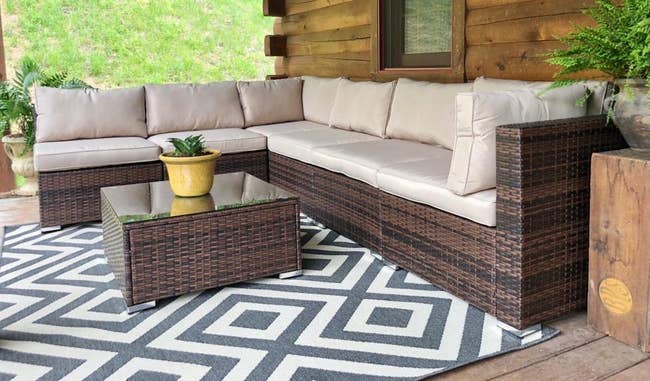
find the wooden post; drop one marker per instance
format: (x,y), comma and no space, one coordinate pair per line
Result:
(7,181)
(275,76)
(619,249)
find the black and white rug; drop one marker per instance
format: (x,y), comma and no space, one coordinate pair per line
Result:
(347,317)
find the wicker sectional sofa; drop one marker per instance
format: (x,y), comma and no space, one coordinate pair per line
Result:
(480,188)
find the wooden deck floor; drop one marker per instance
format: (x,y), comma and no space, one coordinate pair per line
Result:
(579,353)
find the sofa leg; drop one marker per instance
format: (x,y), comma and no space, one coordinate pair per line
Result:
(390,264)
(50,229)
(520,333)
(290,274)
(384,261)
(140,307)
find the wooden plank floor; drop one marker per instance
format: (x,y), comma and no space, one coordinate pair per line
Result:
(578,353)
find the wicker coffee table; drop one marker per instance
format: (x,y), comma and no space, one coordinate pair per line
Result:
(159,245)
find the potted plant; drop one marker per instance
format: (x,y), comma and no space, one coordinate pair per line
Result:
(618,45)
(17,118)
(190,166)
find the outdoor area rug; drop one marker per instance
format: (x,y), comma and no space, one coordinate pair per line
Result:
(348,317)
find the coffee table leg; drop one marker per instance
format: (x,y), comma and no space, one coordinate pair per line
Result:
(50,229)
(290,274)
(140,307)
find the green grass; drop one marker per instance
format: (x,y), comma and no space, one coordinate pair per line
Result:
(114,43)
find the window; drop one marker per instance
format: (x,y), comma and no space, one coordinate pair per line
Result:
(416,33)
(419,38)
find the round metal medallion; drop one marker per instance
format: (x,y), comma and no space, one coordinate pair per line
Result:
(615,295)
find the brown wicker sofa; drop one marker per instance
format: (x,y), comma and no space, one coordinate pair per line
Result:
(518,251)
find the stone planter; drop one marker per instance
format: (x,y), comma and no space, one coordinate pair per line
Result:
(22,163)
(631,113)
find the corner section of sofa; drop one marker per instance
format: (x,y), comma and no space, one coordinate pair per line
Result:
(542,238)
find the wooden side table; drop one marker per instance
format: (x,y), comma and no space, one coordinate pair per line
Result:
(619,250)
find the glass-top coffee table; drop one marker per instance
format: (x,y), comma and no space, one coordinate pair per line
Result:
(159,245)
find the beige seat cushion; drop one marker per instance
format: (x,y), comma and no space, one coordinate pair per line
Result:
(267,102)
(362,106)
(286,128)
(88,153)
(473,166)
(187,107)
(300,145)
(560,102)
(67,114)
(425,182)
(362,160)
(425,112)
(226,140)
(318,95)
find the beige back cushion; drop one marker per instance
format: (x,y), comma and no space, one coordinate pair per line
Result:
(561,102)
(318,96)
(275,101)
(68,114)
(425,112)
(600,91)
(187,107)
(473,164)
(362,107)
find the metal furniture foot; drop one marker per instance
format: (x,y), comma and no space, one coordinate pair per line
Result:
(140,307)
(390,264)
(385,261)
(520,333)
(290,274)
(50,229)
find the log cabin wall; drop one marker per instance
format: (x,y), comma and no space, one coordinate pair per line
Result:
(503,38)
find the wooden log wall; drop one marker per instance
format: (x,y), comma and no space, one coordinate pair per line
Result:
(504,38)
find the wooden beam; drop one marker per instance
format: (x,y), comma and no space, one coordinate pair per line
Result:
(7,181)
(275,45)
(274,8)
(271,77)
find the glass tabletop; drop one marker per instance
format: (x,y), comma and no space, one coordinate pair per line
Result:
(153,201)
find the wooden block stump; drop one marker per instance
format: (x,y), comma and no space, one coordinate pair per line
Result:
(619,252)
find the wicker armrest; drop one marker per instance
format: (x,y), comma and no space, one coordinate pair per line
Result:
(543,213)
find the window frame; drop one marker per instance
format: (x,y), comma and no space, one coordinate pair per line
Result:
(395,40)
(453,73)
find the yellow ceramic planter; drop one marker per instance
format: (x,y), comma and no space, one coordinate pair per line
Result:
(191,176)
(191,205)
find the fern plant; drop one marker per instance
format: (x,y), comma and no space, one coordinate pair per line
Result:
(619,44)
(16,106)
(193,145)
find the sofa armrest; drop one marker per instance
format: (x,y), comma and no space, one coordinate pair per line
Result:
(543,173)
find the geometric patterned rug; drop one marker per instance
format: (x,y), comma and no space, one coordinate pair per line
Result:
(347,317)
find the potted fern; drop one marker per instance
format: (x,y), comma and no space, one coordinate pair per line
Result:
(17,118)
(618,45)
(190,166)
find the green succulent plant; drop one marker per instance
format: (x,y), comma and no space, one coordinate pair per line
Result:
(193,145)
(16,106)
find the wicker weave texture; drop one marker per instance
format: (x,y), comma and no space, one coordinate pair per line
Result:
(70,197)
(296,178)
(542,251)
(348,206)
(451,252)
(184,254)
